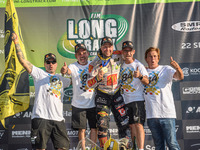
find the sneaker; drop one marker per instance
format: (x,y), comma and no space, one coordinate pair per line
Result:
(124,143)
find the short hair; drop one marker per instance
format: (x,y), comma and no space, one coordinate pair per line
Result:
(150,49)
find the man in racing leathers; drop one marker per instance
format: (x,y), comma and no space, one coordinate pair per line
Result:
(104,76)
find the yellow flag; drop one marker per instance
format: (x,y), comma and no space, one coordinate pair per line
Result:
(14,82)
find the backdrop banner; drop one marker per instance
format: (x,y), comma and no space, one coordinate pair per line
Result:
(57,25)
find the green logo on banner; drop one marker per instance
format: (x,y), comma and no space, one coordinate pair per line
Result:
(90,32)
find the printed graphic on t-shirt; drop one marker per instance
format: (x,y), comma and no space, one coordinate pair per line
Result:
(83,76)
(55,86)
(126,78)
(152,87)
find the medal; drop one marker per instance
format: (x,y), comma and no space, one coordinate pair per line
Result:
(104,64)
(104,69)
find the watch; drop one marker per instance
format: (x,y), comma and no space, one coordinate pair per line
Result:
(141,77)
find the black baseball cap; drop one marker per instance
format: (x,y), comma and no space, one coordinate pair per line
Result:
(79,46)
(48,56)
(106,40)
(127,44)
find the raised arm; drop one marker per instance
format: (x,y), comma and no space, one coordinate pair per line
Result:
(65,70)
(179,73)
(26,64)
(143,79)
(95,76)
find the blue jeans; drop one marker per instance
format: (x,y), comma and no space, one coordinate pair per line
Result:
(163,132)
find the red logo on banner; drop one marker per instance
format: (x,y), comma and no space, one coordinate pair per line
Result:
(112,79)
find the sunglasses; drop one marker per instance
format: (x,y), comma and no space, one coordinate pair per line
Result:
(53,62)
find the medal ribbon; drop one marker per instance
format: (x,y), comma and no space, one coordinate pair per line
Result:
(105,63)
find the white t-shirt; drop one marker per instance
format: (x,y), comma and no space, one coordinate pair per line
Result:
(83,97)
(48,102)
(132,87)
(158,95)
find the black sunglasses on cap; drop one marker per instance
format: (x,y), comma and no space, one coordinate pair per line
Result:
(53,62)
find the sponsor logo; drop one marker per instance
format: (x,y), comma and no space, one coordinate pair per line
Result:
(75,1)
(91,82)
(72,133)
(101,100)
(187,26)
(125,122)
(112,80)
(191,90)
(122,112)
(68,94)
(113,131)
(32,94)
(67,113)
(195,71)
(1,51)
(90,68)
(186,71)
(91,31)
(195,146)
(21,134)
(1,133)
(118,99)
(192,71)
(150,147)
(147,131)
(26,114)
(192,109)
(192,129)
(2,35)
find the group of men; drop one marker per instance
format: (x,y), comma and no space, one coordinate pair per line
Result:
(113,80)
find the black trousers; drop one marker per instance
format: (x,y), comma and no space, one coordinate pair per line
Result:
(115,103)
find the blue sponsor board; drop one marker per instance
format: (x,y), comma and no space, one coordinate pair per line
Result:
(3,136)
(191,71)
(190,110)
(176,90)
(20,147)
(19,134)
(24,116)
(191,129)
(190,90)
(192,144)
(179,130)
(4,147)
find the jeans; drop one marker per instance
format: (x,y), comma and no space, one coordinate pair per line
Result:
(163,132)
